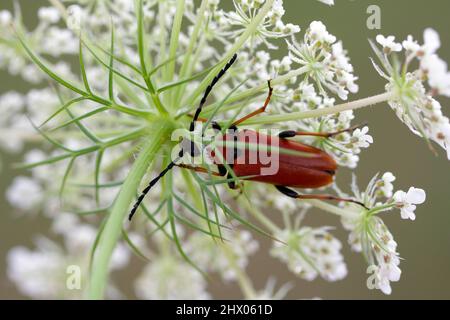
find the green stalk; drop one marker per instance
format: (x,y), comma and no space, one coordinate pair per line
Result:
(358,104)
(333,209)
(255,212)
(243,280)
(174,38)
(142,58)
(186,65)
(113,228)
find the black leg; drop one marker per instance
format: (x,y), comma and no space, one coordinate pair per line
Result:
(293,194)
(222,170)
(293,133)
(216,126)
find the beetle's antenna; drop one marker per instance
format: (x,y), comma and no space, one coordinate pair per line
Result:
(209,89)
(152,183)
(192,127)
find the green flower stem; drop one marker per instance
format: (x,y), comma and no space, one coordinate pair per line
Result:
(186,67)
(113,227)
(174,38)
(358,104)
(333,209)
(257,214)
(142,58)
(249,32)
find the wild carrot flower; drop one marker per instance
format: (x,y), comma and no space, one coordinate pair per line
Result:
(415,82)
(94,132)
(368,232)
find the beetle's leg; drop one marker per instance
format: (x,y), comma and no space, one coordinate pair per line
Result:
(199,169)
(198,118)
(293,194)
(258,111)
(216,126)
(293,133)
(222,170)
(233,186)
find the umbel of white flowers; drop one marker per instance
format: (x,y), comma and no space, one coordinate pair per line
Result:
(144,65)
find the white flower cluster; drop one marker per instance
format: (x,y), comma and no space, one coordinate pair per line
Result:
(86,147)
(170,278)
(310,253)
(327,69)
(369,234)
(325,61)
(210,257)
(232,24)
(413,103)
(42,273)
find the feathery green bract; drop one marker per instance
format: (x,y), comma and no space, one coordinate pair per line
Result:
(133,247)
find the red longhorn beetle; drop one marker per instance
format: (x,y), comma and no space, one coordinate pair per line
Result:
(311,171)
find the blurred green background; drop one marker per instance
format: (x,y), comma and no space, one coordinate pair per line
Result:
(424,244)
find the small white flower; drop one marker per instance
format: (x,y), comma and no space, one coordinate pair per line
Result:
(60,41)
(389,44)
(75,17)
(318,31)
(234,23)
(432,41)
(361,138)
(327,62)
(49,15)
(24,188)
(407,201)
(437,72)
(311,252)
(5,18)
(412,45)
(385,184)
(32,74)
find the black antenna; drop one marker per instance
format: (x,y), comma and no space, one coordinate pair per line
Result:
(209,89)
(152,183)
(191,129)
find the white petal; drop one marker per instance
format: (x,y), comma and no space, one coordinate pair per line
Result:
(432,40)
(400,196)
(415,196)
